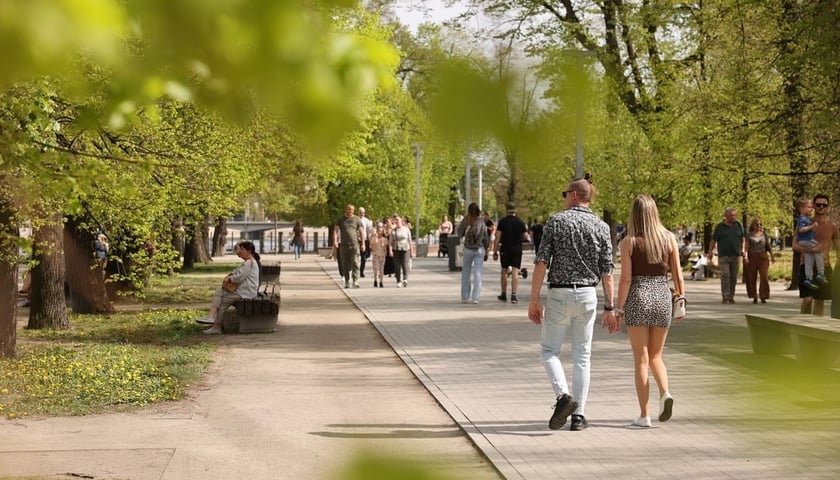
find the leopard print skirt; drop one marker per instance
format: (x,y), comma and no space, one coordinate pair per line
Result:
(648,302)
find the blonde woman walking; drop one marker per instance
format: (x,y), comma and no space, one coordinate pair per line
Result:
(648,251)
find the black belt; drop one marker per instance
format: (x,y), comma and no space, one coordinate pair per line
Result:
(570,285)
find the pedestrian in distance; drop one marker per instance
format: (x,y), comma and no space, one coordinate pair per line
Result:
(645,301)
(378,254)
(812,258)
(828,239)
(685,251)
(476,240)
(349,241)
(444,229)
(367,224)
(536,232)
(576,253)
(759,258)
(297,239)
(507,248)
(731,241)
(400,247)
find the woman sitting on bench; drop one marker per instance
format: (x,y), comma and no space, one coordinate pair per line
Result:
(241,283)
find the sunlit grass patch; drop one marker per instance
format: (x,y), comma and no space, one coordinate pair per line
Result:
(104,363)
(160,327)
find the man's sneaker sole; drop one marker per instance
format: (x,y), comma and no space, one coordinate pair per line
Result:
(561,414)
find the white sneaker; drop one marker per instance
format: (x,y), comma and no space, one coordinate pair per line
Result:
(475,302)
(205,320)
(399,285)
(355,284)
(642,422)
(405,283)
(213,331)
(666,407)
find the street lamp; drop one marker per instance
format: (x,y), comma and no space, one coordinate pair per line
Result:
(579,55)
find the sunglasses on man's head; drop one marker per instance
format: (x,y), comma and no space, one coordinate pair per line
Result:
(567,192)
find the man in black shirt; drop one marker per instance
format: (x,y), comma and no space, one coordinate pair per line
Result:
(510,233)
(536,232)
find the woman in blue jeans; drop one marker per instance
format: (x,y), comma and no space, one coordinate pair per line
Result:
(475,239)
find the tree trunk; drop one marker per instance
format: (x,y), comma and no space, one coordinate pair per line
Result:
(195,245)
(8,281)
(189,255)
(220,234)
(178,242)
(48,304)
(86,279)
(793,114)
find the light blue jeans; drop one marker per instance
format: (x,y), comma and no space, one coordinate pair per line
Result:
(573,311)
(473,264)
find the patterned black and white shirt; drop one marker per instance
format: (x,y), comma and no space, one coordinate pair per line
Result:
(576,247)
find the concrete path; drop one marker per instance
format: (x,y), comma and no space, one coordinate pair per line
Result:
(298,403)
(736,415)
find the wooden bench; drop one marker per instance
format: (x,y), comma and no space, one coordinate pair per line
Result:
(814,340)
(253,315)
(260,314)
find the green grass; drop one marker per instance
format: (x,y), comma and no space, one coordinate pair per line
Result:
(195,285)
(104,363)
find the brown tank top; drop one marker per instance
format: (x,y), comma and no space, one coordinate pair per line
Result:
(640,263)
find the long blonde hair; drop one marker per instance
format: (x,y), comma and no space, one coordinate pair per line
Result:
(644,222)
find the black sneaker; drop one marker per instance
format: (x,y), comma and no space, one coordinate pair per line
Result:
(562,409)
(513,298)
(578,423)
(502,297)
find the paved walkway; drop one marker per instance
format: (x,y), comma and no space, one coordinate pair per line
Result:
(298,403)
(736,415)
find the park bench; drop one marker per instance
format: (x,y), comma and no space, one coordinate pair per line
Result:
(260,314)
(815,341)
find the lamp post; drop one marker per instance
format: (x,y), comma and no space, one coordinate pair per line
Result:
(468,179)
(579,56)
(418,160)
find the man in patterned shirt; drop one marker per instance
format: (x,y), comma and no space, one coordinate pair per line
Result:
(577,246)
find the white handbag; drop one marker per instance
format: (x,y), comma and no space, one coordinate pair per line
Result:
(679,306)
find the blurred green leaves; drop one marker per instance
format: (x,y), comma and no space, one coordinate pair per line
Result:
(291,55)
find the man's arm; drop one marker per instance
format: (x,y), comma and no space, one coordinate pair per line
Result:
(335,235)
(535,309)
(744,248)
(712,245)
(796,247)
(608,285)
